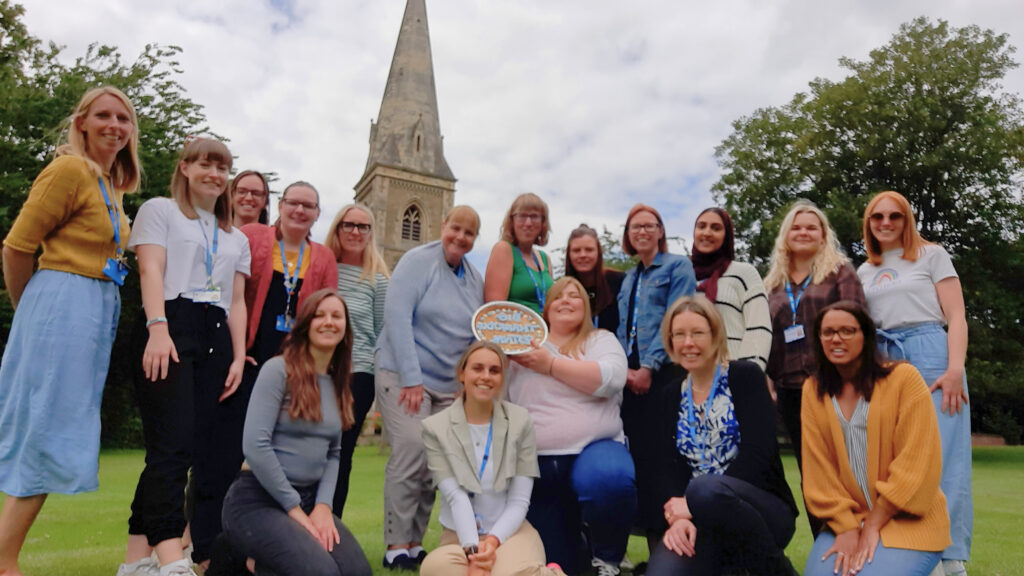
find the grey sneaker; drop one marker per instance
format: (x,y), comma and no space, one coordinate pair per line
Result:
(602,568)
(144,567)
(181,567)
(954,568)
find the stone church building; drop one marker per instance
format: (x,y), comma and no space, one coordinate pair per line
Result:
(407,182)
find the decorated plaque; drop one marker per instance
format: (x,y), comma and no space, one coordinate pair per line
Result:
(509,325)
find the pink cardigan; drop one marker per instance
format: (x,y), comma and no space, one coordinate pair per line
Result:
(322,273)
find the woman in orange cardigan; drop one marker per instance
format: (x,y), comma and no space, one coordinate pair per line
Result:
(870,447)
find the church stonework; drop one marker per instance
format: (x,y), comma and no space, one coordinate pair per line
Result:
(407,182)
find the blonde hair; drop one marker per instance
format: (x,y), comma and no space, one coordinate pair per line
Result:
(911,239)
(527,201)
(126,172)
(199,149)
(461,212)
(827,261)
(460,367)
(575,346)
(703,307)
(373,262)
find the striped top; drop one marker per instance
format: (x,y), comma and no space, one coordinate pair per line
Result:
(365,302)
(743,304)
(855,435)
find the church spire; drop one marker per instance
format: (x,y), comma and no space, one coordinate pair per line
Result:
(407,133)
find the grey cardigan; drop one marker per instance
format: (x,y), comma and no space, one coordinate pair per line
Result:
(450,451)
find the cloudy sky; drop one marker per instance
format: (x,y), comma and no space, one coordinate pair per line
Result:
(593,104)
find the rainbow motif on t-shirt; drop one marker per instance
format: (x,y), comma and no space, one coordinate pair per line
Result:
(884,276)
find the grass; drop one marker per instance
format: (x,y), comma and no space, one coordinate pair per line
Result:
(84,535)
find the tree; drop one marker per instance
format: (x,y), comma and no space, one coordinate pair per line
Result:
(924,115)
(37,92)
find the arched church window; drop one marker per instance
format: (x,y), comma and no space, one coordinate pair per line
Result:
(411,224)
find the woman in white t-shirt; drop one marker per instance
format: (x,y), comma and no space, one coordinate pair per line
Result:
(572,387)
(912,290)
(190,341)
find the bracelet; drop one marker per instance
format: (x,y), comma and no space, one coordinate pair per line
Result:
(156,320)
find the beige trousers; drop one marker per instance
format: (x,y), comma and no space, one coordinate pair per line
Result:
(521,555)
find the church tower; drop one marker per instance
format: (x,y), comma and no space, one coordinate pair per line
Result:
(407,182)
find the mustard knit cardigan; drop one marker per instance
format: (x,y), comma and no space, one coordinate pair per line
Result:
(904,463)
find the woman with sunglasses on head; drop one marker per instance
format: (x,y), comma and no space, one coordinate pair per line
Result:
(871,456)
(483,459)
(735,287)
(912,291)
(725,498)
(278,511)
(518,270)
(584,261)
(363,283)
(65,313)
(658,280)
(249,195)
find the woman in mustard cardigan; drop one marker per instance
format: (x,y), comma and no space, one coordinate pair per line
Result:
(870,447)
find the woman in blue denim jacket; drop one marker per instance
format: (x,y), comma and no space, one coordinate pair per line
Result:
(658,280)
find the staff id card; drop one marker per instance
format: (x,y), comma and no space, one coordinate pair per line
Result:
(794,333)
(284,323)
(116,269)
(209,295)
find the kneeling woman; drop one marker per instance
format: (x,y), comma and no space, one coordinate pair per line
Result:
(727,503)
(482,456)
(278,511)
(871,441)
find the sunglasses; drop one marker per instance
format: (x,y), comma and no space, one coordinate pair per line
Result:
(892,216)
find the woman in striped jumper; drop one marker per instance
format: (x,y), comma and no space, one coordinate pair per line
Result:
(735,287)
(362,282)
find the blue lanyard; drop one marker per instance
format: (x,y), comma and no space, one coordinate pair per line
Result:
(691,419)
(114,219)
(795,302)
(209,254)
(487,450)
(289,284)
(636,311)
(536,287)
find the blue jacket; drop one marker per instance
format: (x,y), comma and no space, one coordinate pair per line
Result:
(669,277)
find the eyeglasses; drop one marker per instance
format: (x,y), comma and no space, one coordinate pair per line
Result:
(696,336)
(645,227)
(845,332)
(243,192)
(311,206)
(893,216)
(350,226)
(528,217)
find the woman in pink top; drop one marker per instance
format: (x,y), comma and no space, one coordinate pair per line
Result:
(572,387)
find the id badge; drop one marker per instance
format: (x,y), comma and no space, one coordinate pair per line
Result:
(206,296)
(794,333)
(116,270)
(284,323)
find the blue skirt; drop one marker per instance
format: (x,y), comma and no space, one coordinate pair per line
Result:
(51,384)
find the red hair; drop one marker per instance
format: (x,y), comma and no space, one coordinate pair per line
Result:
(910,239)
(627,247)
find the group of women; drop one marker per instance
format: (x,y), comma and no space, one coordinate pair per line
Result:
(649,406)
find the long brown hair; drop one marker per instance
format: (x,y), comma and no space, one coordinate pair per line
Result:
(212,150)
(301,372)
(264,216)
(603,296)
(873,364)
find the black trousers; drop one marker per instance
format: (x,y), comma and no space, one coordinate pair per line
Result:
(362,394)
(182,428)
(789,406)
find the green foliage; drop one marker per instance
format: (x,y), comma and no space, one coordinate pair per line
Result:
(37,92)
(924,115)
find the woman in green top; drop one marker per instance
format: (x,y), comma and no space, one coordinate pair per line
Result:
(516,271)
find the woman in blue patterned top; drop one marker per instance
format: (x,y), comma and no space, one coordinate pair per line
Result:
(727,505)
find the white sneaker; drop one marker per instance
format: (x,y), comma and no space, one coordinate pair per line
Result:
(181,567)
(145,567)
(954,568)
(603,568)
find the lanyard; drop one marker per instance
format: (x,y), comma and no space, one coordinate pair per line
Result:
(209,254)
(114,219)
(795,302)
(289,284)
(636,310)
(537,287)
(691,420)
(487,450)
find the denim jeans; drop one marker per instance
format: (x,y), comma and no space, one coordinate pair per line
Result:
(257,527)
(887,560)
(740,527)
(925,347)
(595,487)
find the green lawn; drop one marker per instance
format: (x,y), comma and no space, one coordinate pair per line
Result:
(85,534)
